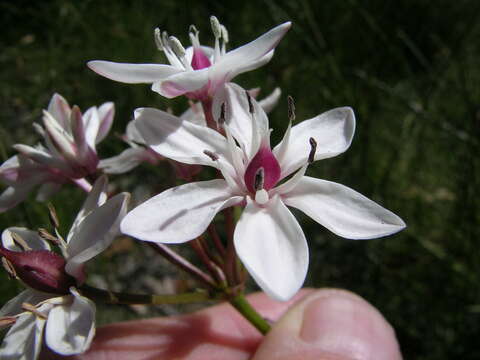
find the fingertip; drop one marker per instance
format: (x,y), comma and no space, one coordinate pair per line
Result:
(330,324)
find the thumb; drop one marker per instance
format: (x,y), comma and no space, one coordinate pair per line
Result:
(330,325)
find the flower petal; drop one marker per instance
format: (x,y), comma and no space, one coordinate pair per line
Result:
(272,246)
(181,140)
(132,73)
(332,130)
(31,238)
(106,112)
(95,233)
(24,339)
(71,327)
(179,214)
(182,82)
(248,56)
(59,109)
(13,195)
(269,103)
(342,210)
(14,306)
(125,161)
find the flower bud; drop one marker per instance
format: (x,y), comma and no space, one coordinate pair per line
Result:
(42,270)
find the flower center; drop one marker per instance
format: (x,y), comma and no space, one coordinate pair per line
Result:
(199,59)
(263,172)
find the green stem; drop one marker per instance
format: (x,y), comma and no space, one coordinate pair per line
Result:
(243,306)
(112,297)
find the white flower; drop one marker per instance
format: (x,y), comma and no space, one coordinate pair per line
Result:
(197,71)
(267,238)
(140,152)
(54,304)
(68,153)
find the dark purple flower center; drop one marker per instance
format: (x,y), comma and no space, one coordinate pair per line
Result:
(263,164)
(199,59)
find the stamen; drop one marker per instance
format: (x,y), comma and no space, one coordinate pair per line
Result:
(259,179)
(216,27)
(157,36)
(193,33)
(291,108)
(313,148)
(221,119)
(224,34)
(44,234)
(52,214)
(20,242)
(7,265)
(177,47)
(211,155)
(33,309)
(250,104)
(7,321)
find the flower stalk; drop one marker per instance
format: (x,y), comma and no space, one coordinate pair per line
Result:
(243,306)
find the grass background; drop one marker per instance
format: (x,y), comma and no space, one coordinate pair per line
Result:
(410,69)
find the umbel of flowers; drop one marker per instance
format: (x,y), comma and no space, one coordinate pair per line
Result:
(224,128)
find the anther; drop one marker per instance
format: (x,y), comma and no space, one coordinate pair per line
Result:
(7,265)
(313,148)
(211,155)
(259,179)
(7,321)
(157,36)
(20,242)
(193,29)
(224,34)
(216,27)
(177,46)
(250,104)
(291,108)
(52,213)
(221,119)
(33,309)
(44,234)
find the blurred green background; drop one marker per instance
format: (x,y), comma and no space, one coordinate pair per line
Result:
(410,69)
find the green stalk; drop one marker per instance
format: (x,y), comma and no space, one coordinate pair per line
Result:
(243,306)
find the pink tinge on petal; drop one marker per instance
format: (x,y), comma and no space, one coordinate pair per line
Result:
(271,170)
(199,59)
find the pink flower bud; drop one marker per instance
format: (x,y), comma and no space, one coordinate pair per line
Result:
(42,270)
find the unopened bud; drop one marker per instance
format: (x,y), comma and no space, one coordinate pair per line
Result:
(42,270)
(313,148)
(216,27)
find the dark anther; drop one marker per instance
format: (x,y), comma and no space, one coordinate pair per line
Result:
(313,148)
(221,119)
(250,104)
(211,155)
(259,178)
(291,108)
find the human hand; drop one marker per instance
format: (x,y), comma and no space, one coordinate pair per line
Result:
(323,324)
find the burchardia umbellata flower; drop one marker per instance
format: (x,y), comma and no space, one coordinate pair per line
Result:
(52,306)
(67,154)
(197,71)
(267,238)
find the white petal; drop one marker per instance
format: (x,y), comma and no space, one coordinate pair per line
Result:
(251,55)
(71,327)
(31,238)
(106,112)
(132,132)
(181,140)
(59,109)
(272,246)
(14,306)
(238,117)
(132,73)
(41,157)
(269,103)
(181,83)
(95,233)
(91,123)
(126,161)
(12,196)
(342,210)
(179,214)
(24,339)
(332,130)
